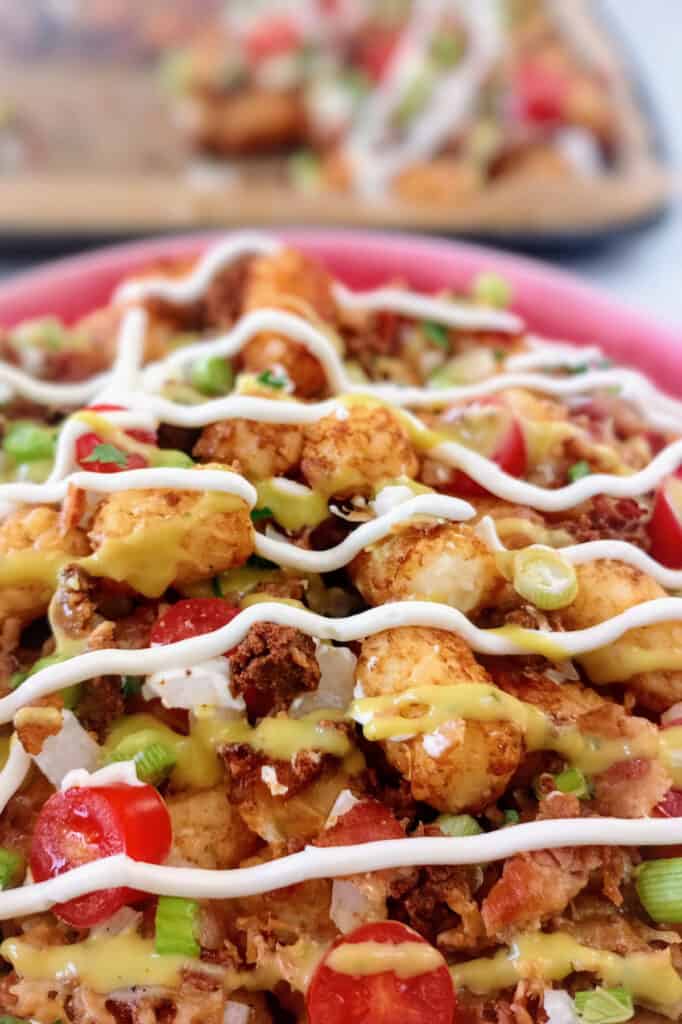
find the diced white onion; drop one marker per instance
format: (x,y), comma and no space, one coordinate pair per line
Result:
(71,749)
(337,678)
(559,1007)
(236,1013)
(206,683)
(343,803)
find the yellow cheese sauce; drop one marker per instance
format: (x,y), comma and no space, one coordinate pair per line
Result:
(149,556)
(422,709)
(197,765)
(293,511)
(621,660)
(405,959)
(531,642)
(649,977)
(102,963)
(23,568)
(279,738)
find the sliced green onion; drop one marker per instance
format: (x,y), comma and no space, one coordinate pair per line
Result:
(12,867)
(436,333)
(16,1020)
(512,817)
(256,562)
(260,513)
(572,781)
(604,1006)
(578,470)
(415,97)
(172,458)
(458,825)
(446,49)
(212,375)
(544,577)
(52,659)
(130,686)
(305,170)
(491,289)
(29,442)
(659,887)
(154,757)
(177,923)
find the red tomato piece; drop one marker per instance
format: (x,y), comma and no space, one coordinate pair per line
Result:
(671,805)
(503,442)
(143,436)
(540,94)
(365,822)
(377,52)
(84,824)
(383,998)
(85,446)
(271,38)
(193,616)
(665,528)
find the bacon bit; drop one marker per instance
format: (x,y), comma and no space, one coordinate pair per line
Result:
(39,720)
(73,510)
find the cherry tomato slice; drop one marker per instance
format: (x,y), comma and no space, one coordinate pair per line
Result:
(383,998)
(271,38)
(540,94)
(143,436)
(502,441)
(665,528)
(364,822)
(85,446)
(84,824)
(192,617)
(377,52)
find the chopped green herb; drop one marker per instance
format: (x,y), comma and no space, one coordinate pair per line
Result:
(216,586)
(576,368)
(499,354)
(511,817)
(260,513)
(131,686)
(256,562)
(578,470)
(446,49)
(272,380)
(304,170)
(415,97)
(604,1006)
(572,780)
(107,453)
(436,333)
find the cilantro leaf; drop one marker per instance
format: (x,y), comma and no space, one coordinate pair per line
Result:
(272,380)
(260,513)
(107,453)
(436,333)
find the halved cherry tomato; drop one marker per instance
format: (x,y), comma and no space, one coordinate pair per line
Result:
(192,617)
(665,528)
(272,37)
(499,437)
(540,94)
(85,446)
(384,998)
(83,824)
(144,436)
(365,822)
(377,50)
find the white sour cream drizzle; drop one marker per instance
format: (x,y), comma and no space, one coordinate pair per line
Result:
(335,862)
(126,385)
(14,771)
(344,630)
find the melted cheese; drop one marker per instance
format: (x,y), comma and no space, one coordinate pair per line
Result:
(623,660)
(293,506)
(405,959)
(649,977)
(279,738)
(23,568)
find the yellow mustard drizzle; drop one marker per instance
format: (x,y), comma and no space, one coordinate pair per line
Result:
(622,659)
(24,568)
(405,959)
(390,716)
(196,767)
(649,977)
(102,963)
(148,557)
(291,510)
(278,738)
(531,642)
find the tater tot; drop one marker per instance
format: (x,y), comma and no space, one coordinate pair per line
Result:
(208,831)
(349,455)
(477,759)
(426,560)
(639,658)
(33,532)
(258,450)
(154,538)
(288,280)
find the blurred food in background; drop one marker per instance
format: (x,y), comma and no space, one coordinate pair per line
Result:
(449,113)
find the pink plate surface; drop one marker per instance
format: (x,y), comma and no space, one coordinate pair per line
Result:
(553,303)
